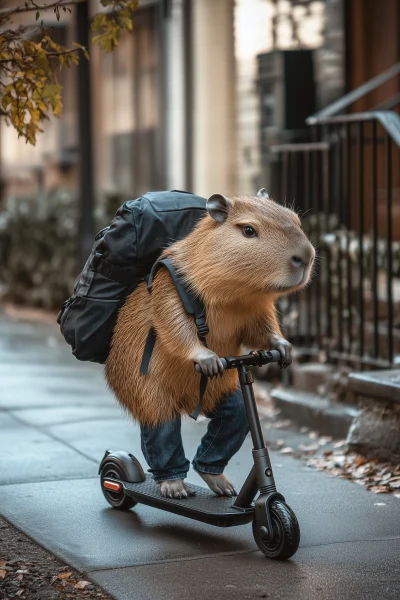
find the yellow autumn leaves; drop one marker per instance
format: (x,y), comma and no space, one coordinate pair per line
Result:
(29,90)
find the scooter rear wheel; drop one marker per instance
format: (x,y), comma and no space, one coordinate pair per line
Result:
(116,499)
(286,533)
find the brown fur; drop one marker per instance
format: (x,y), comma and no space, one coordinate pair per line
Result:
(238,279)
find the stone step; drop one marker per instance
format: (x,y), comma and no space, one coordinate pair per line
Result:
(310,410)
(309,377)
(379,385)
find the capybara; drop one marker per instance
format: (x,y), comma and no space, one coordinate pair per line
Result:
(245,253)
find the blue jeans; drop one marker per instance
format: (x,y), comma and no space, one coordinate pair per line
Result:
(163,450)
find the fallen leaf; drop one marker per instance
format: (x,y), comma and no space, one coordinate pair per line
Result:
(313,435)
(287,451)
(385,479)
(81,585)
(364,469)
(326,439)
(3,573)
(379,489)
(281,424)
(340,460)
(339,444)
(20,592)
(65,575)
(394,483)
(3,563)
(308,447)
(53,579)
(328,452)
(359,460)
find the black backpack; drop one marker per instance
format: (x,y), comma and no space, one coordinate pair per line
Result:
(124,254)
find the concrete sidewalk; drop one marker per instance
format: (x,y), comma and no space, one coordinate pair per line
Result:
(56,420)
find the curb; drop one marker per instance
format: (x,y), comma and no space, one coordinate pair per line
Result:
(310,410)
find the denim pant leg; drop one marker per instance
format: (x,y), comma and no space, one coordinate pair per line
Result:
(225,435)
(163,450)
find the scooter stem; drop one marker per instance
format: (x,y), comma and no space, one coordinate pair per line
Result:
(260,477)
(246,383)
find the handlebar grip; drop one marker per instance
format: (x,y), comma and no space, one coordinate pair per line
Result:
(276,355)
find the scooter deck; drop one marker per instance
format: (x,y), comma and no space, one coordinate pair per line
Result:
(205,506)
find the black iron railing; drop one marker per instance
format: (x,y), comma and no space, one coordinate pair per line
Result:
(347,186)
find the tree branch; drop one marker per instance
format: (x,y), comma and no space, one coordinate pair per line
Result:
(70,51)
(5,12)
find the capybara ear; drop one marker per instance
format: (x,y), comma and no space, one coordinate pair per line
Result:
(218,207)
(263,194)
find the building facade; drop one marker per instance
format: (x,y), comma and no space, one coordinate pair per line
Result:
(177,105)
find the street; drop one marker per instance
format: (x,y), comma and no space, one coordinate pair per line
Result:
(56,420)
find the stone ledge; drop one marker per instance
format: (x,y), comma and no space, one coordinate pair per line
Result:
(309,377)
(381,385)
(314,411)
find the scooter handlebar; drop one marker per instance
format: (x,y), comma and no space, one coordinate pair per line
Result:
(276,355)
(254,359)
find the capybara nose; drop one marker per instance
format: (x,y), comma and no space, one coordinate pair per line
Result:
(297,261)
(303,257)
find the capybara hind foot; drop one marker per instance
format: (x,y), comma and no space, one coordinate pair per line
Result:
(175,488)
(218,484)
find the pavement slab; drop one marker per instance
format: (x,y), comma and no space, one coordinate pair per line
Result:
(355,571)
(27,455)
(13,400)
(46,417)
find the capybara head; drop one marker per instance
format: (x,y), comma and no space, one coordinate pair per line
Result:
(250,245)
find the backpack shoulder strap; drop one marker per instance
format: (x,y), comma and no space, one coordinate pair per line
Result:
(193,306)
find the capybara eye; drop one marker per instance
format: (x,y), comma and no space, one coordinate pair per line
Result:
(249,231)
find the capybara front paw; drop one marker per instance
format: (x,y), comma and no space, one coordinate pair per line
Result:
(208,362)
(175,488)
(284,347)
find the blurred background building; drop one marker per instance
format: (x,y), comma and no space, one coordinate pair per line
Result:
(178,103)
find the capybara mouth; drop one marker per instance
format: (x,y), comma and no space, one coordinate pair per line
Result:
(301,280)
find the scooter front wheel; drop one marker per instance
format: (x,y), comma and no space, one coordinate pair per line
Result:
(116,498)
(286,532)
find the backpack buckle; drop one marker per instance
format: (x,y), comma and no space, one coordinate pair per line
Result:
(201,325)
(95,261)
(63,308)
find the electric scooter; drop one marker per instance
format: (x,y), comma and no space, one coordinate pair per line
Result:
(275,527)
